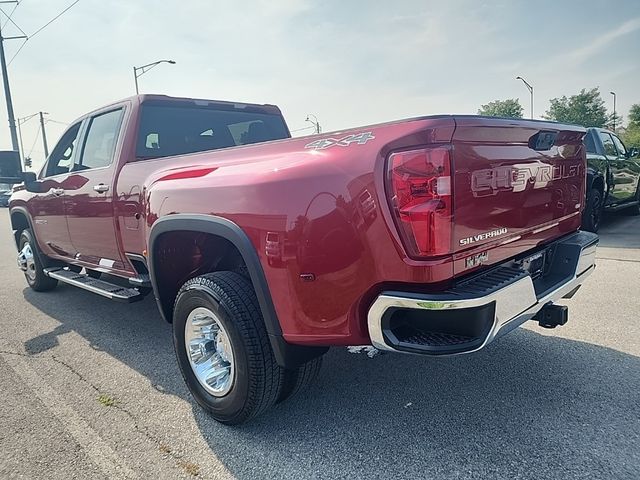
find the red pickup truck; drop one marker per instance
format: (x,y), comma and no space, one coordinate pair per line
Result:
(433,235)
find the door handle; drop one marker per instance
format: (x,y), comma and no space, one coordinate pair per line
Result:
(57,191)
(101,188)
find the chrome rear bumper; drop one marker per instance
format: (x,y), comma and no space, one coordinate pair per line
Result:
(515,298)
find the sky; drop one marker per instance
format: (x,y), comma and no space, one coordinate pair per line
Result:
(350,63)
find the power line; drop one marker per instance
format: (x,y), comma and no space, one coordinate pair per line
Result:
(56,121)
(9,19)
(34,142)
(303,128)
(53,19)
(10,14)
(18,51)
(29,37)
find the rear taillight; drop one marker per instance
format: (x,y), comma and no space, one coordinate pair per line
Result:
(419,189)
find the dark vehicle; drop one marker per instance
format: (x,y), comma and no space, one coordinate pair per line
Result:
(5,194)
(613,177)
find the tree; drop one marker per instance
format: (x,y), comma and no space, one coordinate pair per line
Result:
(613,121)
(634,115)
(509,108)
(586,109)
(631,134)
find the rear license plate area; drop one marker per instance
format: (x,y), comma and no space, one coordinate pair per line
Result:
(534,264)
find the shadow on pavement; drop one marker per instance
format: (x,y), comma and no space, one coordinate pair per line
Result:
(620,230)
(529,406)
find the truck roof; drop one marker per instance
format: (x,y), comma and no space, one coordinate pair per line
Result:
(144,97)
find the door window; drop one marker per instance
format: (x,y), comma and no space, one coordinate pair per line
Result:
(100,142)
(607,143)
(620,146)
(61,158)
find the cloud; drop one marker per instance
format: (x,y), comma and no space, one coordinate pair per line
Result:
(598,44)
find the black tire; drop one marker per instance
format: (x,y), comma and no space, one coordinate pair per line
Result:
(258,378)
(592,214)
(38,281)
(299,379)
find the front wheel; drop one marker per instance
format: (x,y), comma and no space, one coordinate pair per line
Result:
(223,349)
(29,263)
(592,214)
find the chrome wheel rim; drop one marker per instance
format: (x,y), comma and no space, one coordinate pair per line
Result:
(209,350)
(27,263)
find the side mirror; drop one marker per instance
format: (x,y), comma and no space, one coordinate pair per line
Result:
(633,152)
(10,167)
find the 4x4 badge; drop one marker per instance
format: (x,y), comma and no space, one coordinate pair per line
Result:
(359,138)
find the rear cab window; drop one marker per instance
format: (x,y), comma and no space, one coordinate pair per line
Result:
(589,143)
(177,128)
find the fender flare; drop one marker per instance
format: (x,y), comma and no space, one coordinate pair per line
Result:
(44,260)
(287,355)
(593,176)
(24,212)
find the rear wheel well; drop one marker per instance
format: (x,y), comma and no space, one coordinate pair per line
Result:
(598,184)
(19,223)
(183,246)
(181,255)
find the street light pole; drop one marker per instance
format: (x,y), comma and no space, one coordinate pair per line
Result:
(614,111)
(135,77)
(145,68)
(7,92)
(315,123)
(530,91)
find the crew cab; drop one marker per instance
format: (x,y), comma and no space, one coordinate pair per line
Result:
(432,236)
(613,177)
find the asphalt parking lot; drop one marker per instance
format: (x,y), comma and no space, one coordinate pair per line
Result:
(90,389)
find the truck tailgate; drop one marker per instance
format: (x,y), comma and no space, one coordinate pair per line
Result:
(516,184)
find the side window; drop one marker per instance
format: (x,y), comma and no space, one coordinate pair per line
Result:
(620,146)
(100,142)
(589,143)
(60,159)
(607,142)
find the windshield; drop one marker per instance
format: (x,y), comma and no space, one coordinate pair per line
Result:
(167,130)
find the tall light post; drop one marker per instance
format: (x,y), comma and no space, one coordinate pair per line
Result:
(528,85)
(614,111)
(314,122)
(139,71)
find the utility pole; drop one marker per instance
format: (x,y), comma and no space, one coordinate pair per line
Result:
(44,135)
(7,90)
